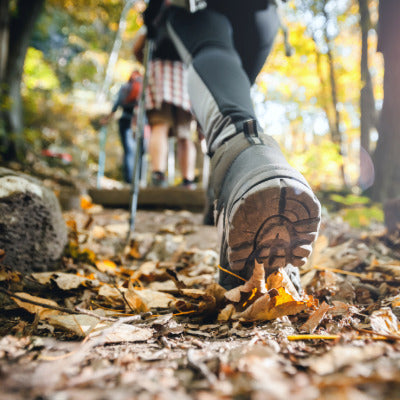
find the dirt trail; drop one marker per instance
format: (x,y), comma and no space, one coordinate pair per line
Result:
(193,355)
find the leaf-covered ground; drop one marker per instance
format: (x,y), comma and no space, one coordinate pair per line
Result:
(148,321)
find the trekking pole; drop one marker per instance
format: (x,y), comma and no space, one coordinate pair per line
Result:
(102,155)
(139,134)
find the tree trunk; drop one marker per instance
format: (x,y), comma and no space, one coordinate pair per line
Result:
(335,128)
(336,136)
(4,36)
(20,29)
(4,40)
(323,87)
(367,101)
(386,156)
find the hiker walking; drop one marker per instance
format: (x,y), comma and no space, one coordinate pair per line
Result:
(127,99)
(265,210)
(168,110)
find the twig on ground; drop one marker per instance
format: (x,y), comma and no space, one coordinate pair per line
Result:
(38,303)
(369,332)
(334,337)
(136,317)
(376,282)
(77,310)
(93,314)
(124,298)
(341,271)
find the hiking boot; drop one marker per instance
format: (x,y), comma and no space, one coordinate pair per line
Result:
(264,208)
(188,184)
(158,179)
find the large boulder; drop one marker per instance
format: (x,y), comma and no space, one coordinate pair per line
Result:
(33,233)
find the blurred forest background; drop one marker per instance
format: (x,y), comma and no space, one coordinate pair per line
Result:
(320,93)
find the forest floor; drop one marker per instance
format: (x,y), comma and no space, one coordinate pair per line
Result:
(148,321)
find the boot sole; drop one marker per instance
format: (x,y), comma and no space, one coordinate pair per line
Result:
(275,223)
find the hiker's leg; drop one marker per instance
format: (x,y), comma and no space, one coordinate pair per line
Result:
(265,209)
(186,150)
(224,46)
(129,146)
(158,147)
(160,122)
(219,88)
(187,158)
(253,31)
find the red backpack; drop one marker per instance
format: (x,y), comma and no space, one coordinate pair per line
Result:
(135,88)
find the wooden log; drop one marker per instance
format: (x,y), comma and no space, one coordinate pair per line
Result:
(171,197)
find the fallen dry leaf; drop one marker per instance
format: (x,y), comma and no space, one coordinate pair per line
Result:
(42,277)
(154,299)
(134,302)
(227,313)
(7,274)
(146,269)
(344,254)
(265,308)
(86,202)
(257,282)
(384,322)
(344,355)
(391,268)
(127,333)
(64,281)
(79,324)
(109,291)
(166,286)
(70,281)
(117,229)
(259,300)
(98,232)
(340,308)
(217,291)
(42,312)
(255,360)
(106,265)
(315,318)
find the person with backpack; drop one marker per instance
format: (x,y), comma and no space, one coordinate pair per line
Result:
(168,110)
(264,208)
(127,100)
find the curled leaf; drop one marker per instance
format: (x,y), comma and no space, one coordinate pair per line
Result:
(384,322)
(257,300)
(42,312)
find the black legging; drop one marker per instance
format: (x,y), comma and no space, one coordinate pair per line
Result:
(224,47)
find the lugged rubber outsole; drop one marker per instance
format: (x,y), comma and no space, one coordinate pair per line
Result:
(275,223)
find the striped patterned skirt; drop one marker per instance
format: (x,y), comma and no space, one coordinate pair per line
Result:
(167,83)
